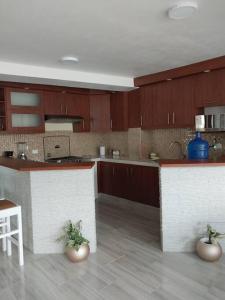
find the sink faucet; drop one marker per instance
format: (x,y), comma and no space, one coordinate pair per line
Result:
(172,146)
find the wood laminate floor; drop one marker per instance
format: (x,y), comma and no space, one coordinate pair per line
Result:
(128,265)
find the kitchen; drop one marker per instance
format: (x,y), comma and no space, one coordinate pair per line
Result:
(132,198)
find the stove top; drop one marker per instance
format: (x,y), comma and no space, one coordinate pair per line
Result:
(65,159)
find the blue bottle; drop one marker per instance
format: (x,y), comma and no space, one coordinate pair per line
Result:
(198,148)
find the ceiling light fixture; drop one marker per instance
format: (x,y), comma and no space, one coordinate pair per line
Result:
(69,59)
(182,10)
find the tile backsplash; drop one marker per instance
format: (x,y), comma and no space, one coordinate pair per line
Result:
(134,143)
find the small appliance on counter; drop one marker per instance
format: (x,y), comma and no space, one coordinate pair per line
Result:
(153,156)
(198,148)
(116,153)
(102,151)
(8,153)
(22,148)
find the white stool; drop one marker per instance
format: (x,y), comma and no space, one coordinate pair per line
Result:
(7,210)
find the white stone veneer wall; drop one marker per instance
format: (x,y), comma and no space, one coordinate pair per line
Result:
(191,198)
(48,200)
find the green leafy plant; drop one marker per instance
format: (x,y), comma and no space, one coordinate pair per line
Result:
(213,235)
(72,236)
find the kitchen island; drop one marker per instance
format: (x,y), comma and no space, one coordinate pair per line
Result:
(192,195)
(50,195)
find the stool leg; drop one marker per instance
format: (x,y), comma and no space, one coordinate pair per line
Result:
(4,239)
(20,238)
(9,243)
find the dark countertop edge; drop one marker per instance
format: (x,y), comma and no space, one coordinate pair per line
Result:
(28,165)
(172,163)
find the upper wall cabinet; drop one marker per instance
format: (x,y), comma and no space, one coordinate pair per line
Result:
(69,104)
(24,110)
(134,108)
(210,88)
(182,107)
(119,111)
(100,113)
(169,104)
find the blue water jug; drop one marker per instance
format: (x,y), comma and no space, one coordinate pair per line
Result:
(198,148)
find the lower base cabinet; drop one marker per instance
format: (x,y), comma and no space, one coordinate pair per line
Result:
(132,182)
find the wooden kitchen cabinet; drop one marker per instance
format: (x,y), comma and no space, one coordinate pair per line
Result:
(69,105)
(105,176)
(54,103)
(134,108)
(209,88)
(24,110)
(119,111)
(168,104)
(181,106)
(100,113)
(147,98)
(132,182)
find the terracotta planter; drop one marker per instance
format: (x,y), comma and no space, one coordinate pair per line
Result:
(208,252)
(77,256)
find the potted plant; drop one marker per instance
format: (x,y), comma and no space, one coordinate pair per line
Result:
(76,246)
(208,248)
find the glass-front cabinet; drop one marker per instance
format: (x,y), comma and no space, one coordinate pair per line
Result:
(24,110)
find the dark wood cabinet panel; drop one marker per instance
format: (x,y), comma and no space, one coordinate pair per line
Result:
(149,189)
(119,111)
(132,182)
(181,106)
(100,113)
(147,102)
(134,109)
(54,103)
(161,103)
(105,175)
(209,88)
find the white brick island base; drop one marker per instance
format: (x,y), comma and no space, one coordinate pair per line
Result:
(191,197)
(48,200)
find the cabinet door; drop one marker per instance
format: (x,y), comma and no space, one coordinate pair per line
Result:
(147,101)
(105,176)
(209,88)
(149,189)
(54,103)
(161,100)
(119,182)
(134,109)
(181,108)
(118,108)
(80,106)
(24,110)
(100,113)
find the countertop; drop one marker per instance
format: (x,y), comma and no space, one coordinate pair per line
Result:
(29,165)
(164,162)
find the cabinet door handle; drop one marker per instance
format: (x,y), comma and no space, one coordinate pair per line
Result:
(83,124)
(173,118)
(168,118)
(66,110)
(111,123)
(113,171)
(141,121)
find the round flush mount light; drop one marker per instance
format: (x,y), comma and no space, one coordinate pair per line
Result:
(69,59)
(182,10)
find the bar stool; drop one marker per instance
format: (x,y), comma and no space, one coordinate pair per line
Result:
(7,210)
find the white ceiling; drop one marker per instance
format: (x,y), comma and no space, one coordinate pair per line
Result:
(113,38)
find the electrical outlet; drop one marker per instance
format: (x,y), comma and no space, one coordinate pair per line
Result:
(35,151)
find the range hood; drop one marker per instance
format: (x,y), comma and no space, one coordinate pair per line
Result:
(212,120)
(61,123)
